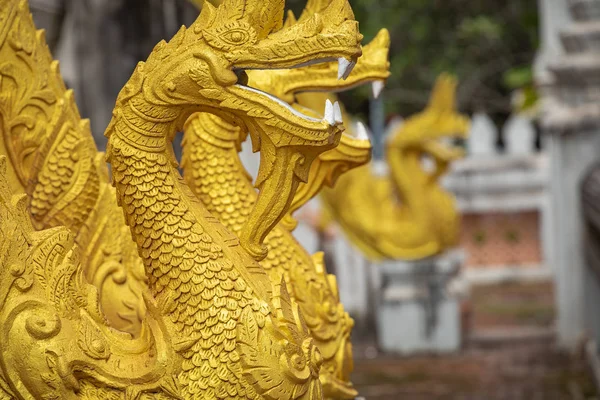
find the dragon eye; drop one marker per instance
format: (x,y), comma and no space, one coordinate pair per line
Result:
(236,36)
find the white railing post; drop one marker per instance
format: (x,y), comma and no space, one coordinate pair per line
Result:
(519,135)
(482,138)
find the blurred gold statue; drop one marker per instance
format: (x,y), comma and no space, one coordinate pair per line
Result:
(406,215)
(203,320)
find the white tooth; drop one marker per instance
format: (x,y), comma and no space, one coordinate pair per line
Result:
(377,87)
(349,69)
(337,113)
(329,113)
(361,131)
(343,65)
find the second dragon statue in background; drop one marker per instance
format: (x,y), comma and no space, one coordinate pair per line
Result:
(406,214)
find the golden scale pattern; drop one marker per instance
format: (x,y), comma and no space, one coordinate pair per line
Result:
(211,153)
(213,171)
(212,325)
(206,293)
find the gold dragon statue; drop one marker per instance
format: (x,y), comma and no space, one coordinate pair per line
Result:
(54,160)
(212,324)
(354,149)
(214,172)
(406,215)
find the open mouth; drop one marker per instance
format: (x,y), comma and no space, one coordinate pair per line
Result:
(454,143)
(332,114)
(377,86)
(360,132)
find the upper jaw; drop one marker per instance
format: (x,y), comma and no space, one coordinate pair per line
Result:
(347,58)
(343,72)
(338,75)
(304,122)
(443,150)
(328,36)
(328,81)
(373,66)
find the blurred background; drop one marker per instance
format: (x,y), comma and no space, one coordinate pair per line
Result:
(518,317)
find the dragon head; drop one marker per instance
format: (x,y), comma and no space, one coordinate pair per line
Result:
(306,89)
(203,69)
(431,131)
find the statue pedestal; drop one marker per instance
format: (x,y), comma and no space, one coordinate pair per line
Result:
(418,304)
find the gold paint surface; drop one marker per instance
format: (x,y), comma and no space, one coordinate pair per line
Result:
(214,172)
(405,214)
(140,291)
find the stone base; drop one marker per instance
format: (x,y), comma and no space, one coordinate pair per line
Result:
(419,305)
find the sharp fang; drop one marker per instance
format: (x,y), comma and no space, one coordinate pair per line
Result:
(349,69)
(377,87)
(361,131)
(337,113)
(343,66)
(329,113)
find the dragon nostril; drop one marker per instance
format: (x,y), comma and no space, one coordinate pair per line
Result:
(242,77)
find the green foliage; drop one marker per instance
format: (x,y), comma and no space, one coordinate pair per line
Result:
(518,77)
(480,28)
(522,80)
(488,44)
(530,98)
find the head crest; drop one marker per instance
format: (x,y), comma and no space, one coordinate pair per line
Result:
(265,16)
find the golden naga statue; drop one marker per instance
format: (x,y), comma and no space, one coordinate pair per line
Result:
(214,172)
(406,215)
(203,319)
(354,149)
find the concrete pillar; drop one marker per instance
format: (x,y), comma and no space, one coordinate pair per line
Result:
(571,120)
(571,155)
(554,15)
